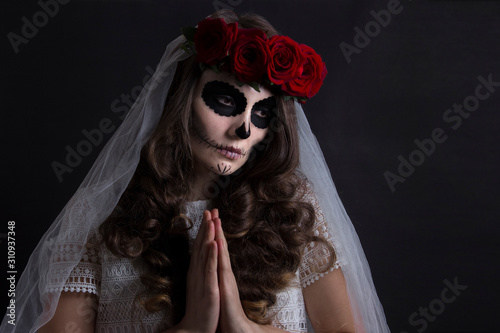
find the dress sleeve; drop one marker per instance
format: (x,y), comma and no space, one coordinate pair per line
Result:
(316,255)
(85,276)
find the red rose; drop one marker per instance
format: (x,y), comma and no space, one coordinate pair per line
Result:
(307,84)
(212,40)
(250,55)
(286,61)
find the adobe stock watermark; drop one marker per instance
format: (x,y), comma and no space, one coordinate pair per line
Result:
(30,27)
(421,318)
(372,29)
(95,136)
(452,117)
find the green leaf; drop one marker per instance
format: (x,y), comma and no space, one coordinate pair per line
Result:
(189,32)
(255,86)
(188,47)
(301,100)
(215,68)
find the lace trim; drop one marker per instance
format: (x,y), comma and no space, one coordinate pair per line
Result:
(79,289)
(316,276)
(316,256)
(84,277)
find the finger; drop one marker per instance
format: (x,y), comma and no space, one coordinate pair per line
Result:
(219,233)
(211,267)
(198,242)
(229,294)
(224,260)
(228,288)
(208,215)
(215,213)
(209,233)
(203,254)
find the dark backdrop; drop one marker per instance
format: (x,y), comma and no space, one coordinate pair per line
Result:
(436,228)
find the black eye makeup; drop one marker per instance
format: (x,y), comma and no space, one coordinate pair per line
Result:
(263,112)
(226,100)
(223,98)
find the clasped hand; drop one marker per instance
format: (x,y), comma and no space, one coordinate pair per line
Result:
(212,299)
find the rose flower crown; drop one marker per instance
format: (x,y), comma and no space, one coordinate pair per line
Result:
(280,61)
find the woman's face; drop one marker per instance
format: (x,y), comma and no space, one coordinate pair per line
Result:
(228,121)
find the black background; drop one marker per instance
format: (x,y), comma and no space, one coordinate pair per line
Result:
(440,223)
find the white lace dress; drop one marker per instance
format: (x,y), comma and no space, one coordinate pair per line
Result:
(116,281)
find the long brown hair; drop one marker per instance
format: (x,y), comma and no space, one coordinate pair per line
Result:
(261,206)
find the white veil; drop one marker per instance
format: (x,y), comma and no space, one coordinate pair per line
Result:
(366,308)
(63,245)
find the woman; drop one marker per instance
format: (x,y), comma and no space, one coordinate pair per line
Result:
(207,218)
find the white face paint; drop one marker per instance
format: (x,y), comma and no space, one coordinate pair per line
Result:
(228,121)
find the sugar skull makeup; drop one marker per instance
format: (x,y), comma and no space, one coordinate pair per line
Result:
(225,100)
(263,111)
(228,121)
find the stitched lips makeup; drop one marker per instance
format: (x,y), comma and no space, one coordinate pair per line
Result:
(233,153)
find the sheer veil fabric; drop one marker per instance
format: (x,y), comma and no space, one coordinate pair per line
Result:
(63,245)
